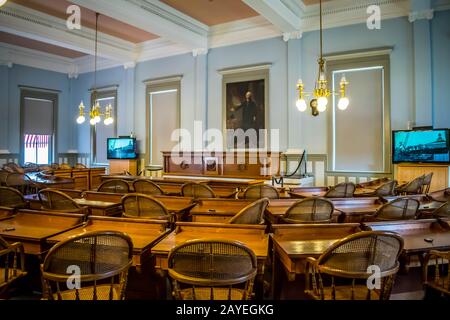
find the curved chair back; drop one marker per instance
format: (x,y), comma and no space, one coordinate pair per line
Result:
(80,166)
(147,187)
(310,210)
(3,175)
(440,195)
(56,200)
(13,167)
(443,211)
(348,260)
(30,167)
(251,214)
(136,205)
(212,270)
(101,258)
(398,209)
(426,183)
(341,190)
(261,191)
(21,182)
(64,166)
(197,190)
(412,187)
(12,267)
(386,189)
(11,198)
(114,186)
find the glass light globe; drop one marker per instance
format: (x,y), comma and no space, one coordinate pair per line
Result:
(97,119)
(343,103)
(92,121)
(81,119)
(301,105)
(2,2)
(322,104)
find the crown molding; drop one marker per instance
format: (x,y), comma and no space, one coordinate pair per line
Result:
(421,15)
(258,67)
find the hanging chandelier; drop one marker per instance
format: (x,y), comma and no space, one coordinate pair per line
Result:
(321,91)
(95,112)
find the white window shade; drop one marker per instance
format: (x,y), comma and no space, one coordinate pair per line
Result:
(358,137)
(38,116)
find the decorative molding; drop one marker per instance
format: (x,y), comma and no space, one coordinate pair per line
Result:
(152,82)
(421,15)
(4,151)
(359,54)
(245,69)
(199,52)
(292,35)
(103,89)
(129,65)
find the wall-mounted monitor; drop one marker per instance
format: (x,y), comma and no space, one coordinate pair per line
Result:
(122,148)
(421,146)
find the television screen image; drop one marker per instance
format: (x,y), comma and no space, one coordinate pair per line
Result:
(421,146)
(122,148)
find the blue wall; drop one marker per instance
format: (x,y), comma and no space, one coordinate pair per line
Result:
(11,79)
(201,84)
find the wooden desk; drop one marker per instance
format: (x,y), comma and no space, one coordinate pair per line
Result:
(32,228)
(144,233)
(252,236)
(35,203)
(101,208)
(217,210)
(49,181)
(293,243)
(6,212)
(414,232)
(307,192)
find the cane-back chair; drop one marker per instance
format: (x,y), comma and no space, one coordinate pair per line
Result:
(12,263)
(443,211)
(114,186)
(80,166)
(412,187)
(197,190)
(341,190)
(426,183)
(261,191)
(3,175)
(21,182)
(147,187)
(92,266)
(212,270)
(137,205)
(12,198)
(345,270)
(252,213)
(309,210)
(398,209)
(56,200)
(436,272)
(440,195)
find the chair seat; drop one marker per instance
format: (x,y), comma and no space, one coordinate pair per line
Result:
(11,276)
(218,294)
(87,293)
(345,293)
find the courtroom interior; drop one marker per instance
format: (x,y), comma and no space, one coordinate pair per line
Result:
(258,150)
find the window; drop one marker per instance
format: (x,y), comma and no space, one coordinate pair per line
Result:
(163,117)
(101,132)
(37,126)
(360,135)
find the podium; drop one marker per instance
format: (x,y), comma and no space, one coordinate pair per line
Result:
(123,166)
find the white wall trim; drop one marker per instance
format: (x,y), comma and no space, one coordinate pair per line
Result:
(245,69)
(152,82)
(358,54)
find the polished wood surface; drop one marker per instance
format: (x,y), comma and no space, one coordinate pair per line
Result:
(252,236)
(33,227)
(144,233)
(414,233)
(101,208)
(293,243)
(227,164)
(49,181)
(408,172)
(120,166)
(217,210)
(306,192)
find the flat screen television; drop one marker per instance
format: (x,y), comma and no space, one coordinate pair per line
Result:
(121,148)
(421,146)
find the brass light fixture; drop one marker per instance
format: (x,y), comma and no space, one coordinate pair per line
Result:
(95,112)
(321,91)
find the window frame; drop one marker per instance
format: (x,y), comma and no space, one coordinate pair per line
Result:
(102,94)
(337,64)
(44,94)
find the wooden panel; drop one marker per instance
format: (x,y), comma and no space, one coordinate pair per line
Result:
(81,179)
(406,172)
(121,166)
(95,177)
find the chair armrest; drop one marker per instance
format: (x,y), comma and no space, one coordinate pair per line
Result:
(431,254)
(16,247)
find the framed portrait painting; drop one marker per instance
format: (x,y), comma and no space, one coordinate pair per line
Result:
(245,110)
